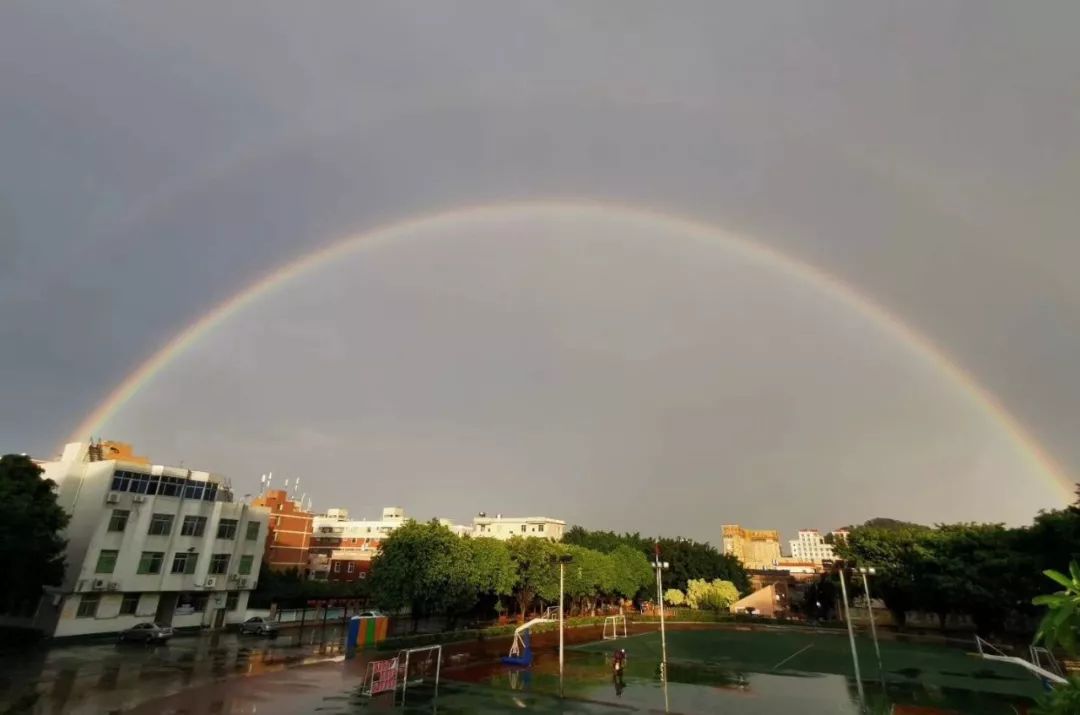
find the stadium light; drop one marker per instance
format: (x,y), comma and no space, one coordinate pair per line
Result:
(864,570)
(661,566)
(841,567)
(562,560)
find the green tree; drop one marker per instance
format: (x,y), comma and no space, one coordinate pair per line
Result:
(491,571)
(590,576)
(715,595)
(899,555)
(674,597)
(31,546)
(1060,627)
(536,573)
(632,572)
(427,569)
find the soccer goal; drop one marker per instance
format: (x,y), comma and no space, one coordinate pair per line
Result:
(614,627)
(419,671)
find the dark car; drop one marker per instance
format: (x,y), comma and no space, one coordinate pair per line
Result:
(146,633)
(258,626)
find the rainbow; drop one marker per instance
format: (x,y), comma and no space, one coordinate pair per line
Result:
(480,215)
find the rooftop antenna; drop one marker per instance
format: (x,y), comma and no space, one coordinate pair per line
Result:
(296,485)
(268,478)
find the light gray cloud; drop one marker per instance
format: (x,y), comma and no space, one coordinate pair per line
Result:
(158,158)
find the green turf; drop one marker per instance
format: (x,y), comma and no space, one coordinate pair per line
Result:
(729,650)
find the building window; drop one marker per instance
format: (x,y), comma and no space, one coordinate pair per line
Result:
(226,529)
(193,526)
(129,604)
(245,565)
(253,530)
(118,519)
(541,528)
(150,562)
(184,562)
(522,528)
(349,567)
(219,563)
(337,567)
(232,600)
(88,605)
(106,561)
(160,525)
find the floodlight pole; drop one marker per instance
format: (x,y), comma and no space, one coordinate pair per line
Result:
(660,565)
(562,569)
(851,638)
(870,612)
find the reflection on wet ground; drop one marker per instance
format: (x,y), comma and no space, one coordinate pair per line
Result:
(108,677)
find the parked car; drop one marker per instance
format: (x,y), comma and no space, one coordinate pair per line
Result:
(371,614)
(259,626)
(146,633)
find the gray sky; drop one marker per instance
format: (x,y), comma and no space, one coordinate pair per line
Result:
(158,158)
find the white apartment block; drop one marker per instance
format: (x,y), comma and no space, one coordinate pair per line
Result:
(148,542)
(811,547)
(504,527)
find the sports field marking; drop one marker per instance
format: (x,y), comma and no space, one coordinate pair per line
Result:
(801,650)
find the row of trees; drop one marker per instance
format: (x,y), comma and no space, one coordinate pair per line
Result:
(715,595)
(688,559)
(988,571)
(425,568)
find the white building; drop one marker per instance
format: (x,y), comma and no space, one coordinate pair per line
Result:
(503,527)
(811,547)
(148,542)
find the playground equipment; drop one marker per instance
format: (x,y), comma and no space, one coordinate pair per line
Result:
(521,649)
(612,627)
(989,651)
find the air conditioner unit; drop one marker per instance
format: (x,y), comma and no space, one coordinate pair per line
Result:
(112,498)
(98,584)
(242,583)
(113,586)
(233,577)
(138,498)
(210,582)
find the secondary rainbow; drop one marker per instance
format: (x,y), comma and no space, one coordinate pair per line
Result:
(569,210)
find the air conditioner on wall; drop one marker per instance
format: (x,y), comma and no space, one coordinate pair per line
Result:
(112,498)
(210,582)
(114,586)
(242,582)
(98,584)
(138,498)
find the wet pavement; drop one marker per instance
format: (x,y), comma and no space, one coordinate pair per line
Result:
(109,677)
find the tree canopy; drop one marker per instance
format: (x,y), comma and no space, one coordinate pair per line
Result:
(31,545)
(688,559)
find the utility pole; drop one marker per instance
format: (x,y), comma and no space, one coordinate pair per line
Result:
(660,565)
(851,638)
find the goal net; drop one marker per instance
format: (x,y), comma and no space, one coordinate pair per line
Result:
(418,671)
(614,627)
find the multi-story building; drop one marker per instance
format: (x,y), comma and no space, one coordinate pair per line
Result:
(148,542)
(334,533)
(757,549)
(504,527)
(811,547)
(288,540)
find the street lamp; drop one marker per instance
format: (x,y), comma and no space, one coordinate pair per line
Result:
(562,560)
(851,635)
(660,566)
(864,570)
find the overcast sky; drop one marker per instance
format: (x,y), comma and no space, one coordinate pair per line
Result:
(157,158)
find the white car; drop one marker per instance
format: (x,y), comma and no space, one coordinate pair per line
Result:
(259,626)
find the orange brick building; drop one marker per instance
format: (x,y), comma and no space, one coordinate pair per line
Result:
(288,539)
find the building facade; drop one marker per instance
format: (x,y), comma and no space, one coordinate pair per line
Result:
(504,527)
(811,547)
(758,549)
(288,541)
(147,542)
(334,533)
